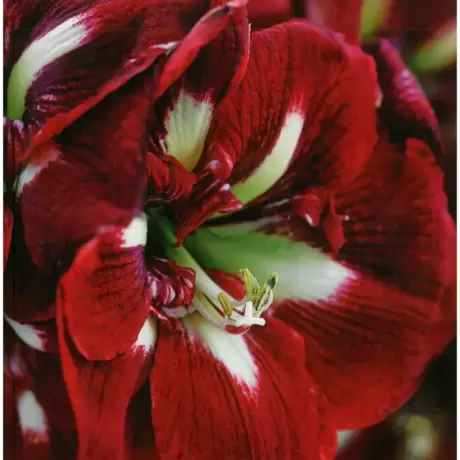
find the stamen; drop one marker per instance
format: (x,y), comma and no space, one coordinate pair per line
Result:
(216,306)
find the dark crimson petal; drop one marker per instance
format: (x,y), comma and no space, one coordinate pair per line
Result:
(172,288)
(93,174)
(366,347)
(168,179)
(405,110)
(39,420)
(298,119)
(233,396)
(342,16)
(209,196)
(205,31)
(100,392)
(396,223)
(29,293)
(414,21)
(101,46)
(383,325)
(266,13)
(140,441)
(181,117)
(105,295)
(8,220)
(15,139)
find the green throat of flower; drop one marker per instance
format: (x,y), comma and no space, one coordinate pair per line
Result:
(210,301)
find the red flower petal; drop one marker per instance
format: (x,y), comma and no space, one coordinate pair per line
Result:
(168,179)
(100,392)
(29,293)
(101,46)
(8,219)
(209,196)
(105,296)
(182,116)
(342,16)
(39,420)
(205,32)
(405,109)
(377,333)
(172,289)
(266,13)
(92,175)
(301,118)
(217,395)
(396,223)
(366,348)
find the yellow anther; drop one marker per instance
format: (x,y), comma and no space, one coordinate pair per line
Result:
(259,296)
(251,285)
(273,280)
(225,303)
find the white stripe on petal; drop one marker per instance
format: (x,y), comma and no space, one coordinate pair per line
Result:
(147,336)
(43,156)
(56,43)
(230,349)
(28,334)
(187,125)
(135,234)
(32,418)
(275,164)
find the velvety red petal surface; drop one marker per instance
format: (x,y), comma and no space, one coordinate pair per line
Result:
(8,220)
(266,13)
(181,117)
(207,33)
(368,344)
(342,16)
(116,39)
(216,395)
(39,423)
(93,174)
(405,109)
(301,78)
(29,293)
(105,296)
(100,392)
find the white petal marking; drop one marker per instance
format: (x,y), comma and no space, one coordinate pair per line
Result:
(135,234)
(187,125)
(32,417)
(28,334)
(46,155)
(276,163)
(147,336)
(304,272)
(56,43)
(230,349)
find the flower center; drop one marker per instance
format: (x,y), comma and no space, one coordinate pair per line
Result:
(210,300)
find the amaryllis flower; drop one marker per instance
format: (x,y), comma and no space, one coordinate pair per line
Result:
(233,255)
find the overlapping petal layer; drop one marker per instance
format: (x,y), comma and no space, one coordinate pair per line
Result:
(62,59)
(303,115)
(92,175)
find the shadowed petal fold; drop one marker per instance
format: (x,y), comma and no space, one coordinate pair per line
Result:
(405,110)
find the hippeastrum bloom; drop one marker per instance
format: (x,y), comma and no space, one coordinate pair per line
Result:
(232,255)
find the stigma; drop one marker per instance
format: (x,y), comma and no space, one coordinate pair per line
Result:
(238,316)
